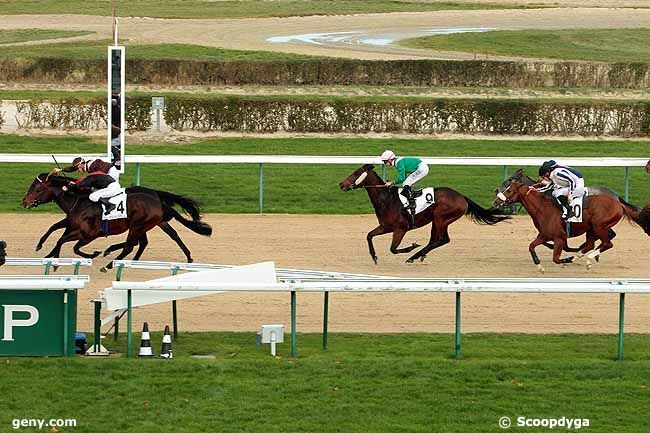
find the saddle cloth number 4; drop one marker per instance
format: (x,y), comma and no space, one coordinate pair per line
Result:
(119,212)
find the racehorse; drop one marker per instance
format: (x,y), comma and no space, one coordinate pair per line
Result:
(520,176)
(448,207)
(604,211)
(146,209)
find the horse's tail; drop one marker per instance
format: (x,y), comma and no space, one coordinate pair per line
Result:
(484,216)
(638,215)
(190,206)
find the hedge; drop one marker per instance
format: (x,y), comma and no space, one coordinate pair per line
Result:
(354,115)
(438,73)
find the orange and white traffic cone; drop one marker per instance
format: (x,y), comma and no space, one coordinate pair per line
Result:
(166,351)
(145,343)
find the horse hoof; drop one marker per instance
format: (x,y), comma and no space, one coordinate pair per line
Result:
(374,259)
(103,270)
(415,245)
(409,261)
(422,258)
(190,260)
(540,268)
(95,254)
(38,247)
(55,268)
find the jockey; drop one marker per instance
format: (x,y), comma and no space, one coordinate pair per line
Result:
(103,187)
(409,171)
(567,183)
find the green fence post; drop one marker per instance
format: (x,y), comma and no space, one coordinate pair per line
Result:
(117,327)
(457,325)
(627,184)
(97,337)
(325,314)
(129,323)
(293,324)
(621,321)
(47,268)
(261,187)
(65,322)
(76,268)
(505,172)
(138,172)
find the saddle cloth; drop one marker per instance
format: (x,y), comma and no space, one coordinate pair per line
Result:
(578,204)
(424,198)
(119,200)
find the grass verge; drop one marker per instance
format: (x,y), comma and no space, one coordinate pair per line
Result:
(25,35)
(363,383)
(235,8)
(602,45)
(94,50)
(313,189)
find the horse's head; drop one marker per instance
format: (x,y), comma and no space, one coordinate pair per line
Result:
(360,177)
(511,194)
(43,189)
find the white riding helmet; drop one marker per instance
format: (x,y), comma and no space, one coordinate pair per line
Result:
(387,155)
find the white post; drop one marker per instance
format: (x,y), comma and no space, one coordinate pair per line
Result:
(273,339)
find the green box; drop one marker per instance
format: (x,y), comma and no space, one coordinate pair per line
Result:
(38,322)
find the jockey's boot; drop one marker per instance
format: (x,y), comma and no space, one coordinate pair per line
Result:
(564,201)
(407,192)
(108,205)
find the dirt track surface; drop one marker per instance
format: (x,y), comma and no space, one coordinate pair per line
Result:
(252,34)
(337,243)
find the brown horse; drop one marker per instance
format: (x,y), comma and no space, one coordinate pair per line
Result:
(449,206)
(603,212)
(146,209)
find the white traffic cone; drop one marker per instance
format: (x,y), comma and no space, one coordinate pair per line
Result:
(166,351)
(145,343)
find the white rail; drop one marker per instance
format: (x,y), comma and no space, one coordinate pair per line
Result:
(516,285)
(283,274)
(26,261)
(24,282)
(302,159)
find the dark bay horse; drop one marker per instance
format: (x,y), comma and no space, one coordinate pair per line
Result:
(603,212)
(146,209)
(449,206)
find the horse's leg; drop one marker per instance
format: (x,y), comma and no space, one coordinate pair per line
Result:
(557,251)
(588,245)
(68,235)
(80,243)
(131,241)
(143,242)
(567,248)
(114,247)
(539,240)
(439,237)
(174,235)
(56,226)
(398,235)
(601,233)
(379,230)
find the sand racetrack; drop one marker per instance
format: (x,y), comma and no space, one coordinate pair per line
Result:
(254,33)
(337,243)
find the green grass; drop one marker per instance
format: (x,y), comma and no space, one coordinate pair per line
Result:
(618,45)
(363,383)
(95,50)
(233,8)
(313,189)
(25,35)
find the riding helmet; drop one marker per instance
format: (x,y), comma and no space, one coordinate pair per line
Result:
(546,167)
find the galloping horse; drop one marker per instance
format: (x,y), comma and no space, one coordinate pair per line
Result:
(146,209)
(448,206)
(603,212)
